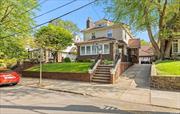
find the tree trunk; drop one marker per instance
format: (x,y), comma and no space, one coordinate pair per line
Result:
(168,49)
(162,47)
(153,42)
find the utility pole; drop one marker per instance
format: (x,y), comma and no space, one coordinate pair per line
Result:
(40,67)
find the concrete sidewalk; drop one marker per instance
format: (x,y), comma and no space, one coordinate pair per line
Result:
(133,87)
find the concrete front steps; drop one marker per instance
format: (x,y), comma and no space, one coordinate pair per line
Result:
(102,74)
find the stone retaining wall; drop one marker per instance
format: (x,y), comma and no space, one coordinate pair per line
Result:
(59,75)
(164,82)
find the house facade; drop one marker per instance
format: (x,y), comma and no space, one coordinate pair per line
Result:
(108,39)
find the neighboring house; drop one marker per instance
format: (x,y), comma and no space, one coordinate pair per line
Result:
(109,39)
(175,53)
(146,55)
(48,55)
(71,51)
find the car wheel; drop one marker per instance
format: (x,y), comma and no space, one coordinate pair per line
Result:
(13,84)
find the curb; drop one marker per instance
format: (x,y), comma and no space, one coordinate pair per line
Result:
(85,94)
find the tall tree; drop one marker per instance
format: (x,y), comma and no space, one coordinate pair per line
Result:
(15,16)
(149,15)
(53,38)
(68,25)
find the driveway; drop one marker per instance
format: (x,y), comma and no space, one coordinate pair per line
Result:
(133,86)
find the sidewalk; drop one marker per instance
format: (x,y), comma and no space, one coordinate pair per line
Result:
(132,87)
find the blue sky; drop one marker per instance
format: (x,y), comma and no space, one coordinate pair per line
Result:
(79,17)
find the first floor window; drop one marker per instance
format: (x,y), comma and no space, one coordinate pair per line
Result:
(106,48)
(175,46)
(88,50)
(82,50)
(94,49)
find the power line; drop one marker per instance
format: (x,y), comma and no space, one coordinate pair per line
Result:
(34,7)
(55,9)
(29,9)
(52,19)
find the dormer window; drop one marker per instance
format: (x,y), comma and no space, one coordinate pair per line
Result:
(109,33)
(93,36)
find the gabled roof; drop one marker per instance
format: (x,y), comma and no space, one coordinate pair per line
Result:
(146,51)
(134,43)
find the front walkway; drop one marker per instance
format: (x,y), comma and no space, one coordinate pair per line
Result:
(133,87)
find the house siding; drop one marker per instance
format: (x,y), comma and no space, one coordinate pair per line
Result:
(117,33)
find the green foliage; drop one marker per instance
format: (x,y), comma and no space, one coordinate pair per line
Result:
(13,19)
(84,60)
(144,43)
(68,25)
(67,60)
(63,67)
(107,62)
(53,37)
(8,62)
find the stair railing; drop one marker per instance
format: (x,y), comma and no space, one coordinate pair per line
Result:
(115,69)
(95,65)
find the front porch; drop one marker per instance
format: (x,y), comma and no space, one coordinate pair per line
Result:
(107,47)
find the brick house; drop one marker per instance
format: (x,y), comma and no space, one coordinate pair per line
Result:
(109,39)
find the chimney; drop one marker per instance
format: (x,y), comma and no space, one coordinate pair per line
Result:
(89,23)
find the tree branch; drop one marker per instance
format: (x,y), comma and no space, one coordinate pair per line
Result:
(6,13)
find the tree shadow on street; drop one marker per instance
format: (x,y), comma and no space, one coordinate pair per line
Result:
(81,108)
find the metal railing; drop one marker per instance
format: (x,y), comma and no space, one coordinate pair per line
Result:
(96,60)
(116,60)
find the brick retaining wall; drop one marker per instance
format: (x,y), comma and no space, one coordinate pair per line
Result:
(59,75)
(164,82)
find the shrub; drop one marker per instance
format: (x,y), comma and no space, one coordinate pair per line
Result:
(67,59)
(8,62)
(84,60)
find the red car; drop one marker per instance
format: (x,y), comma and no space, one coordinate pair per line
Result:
(8,77)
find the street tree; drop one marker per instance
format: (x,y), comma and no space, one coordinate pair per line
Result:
(159,18)
(53,38)
(68,25)
(15,17)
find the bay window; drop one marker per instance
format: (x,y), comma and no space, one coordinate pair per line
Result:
(82,50)
(106,48)
(95,49)
(88,50)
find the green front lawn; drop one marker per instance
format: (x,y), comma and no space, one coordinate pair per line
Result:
(63,67)
(168,67)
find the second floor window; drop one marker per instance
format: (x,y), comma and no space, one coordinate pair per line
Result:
(93,36)
(109,33)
